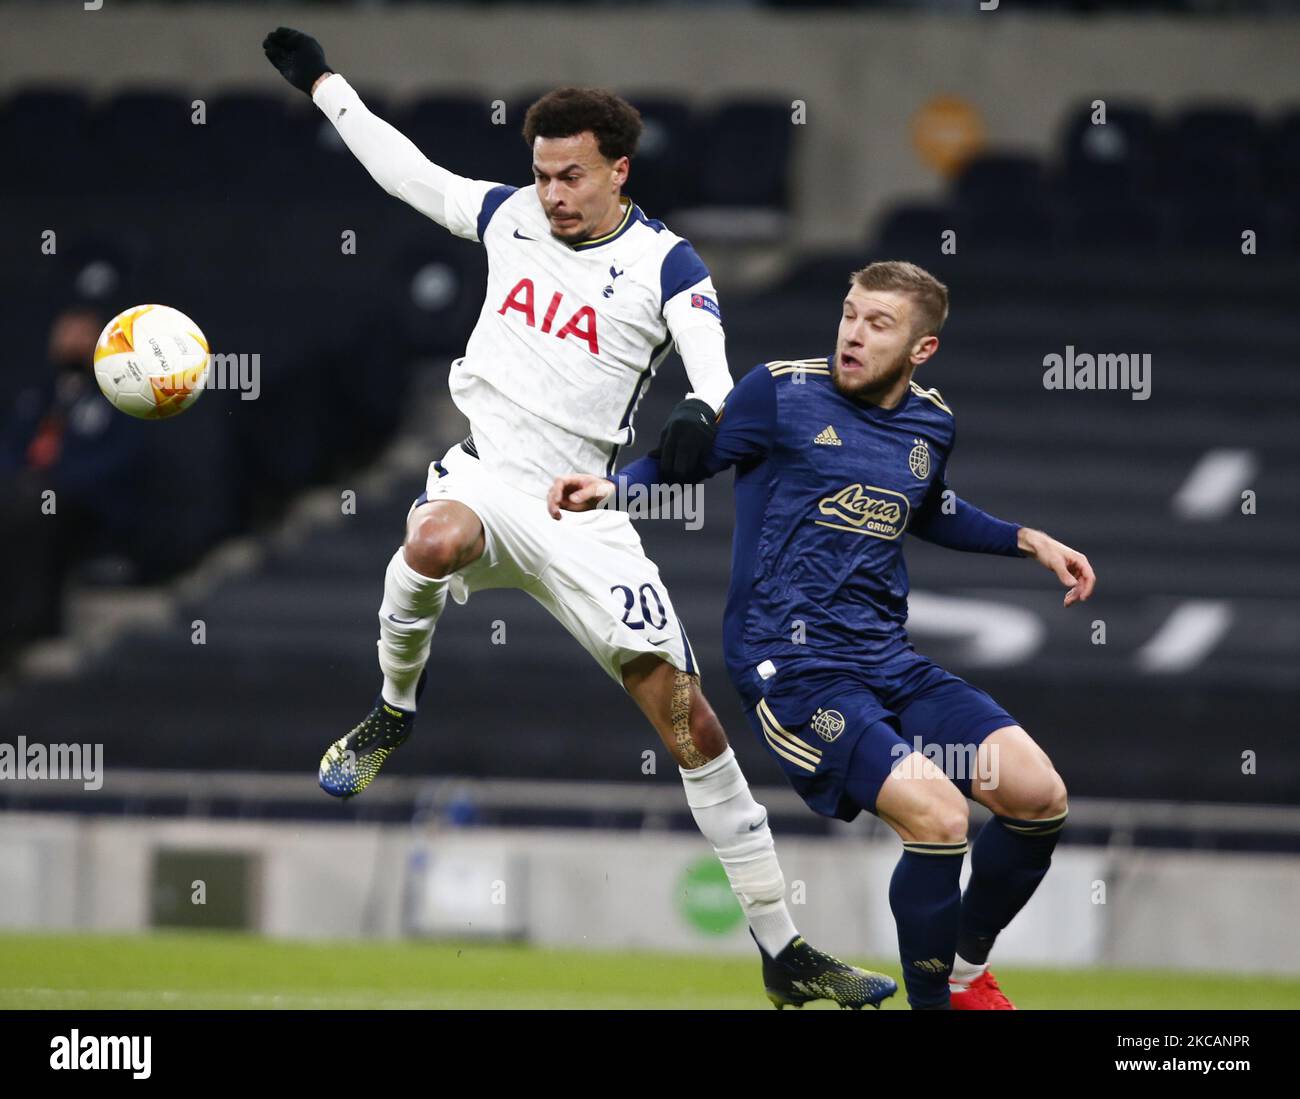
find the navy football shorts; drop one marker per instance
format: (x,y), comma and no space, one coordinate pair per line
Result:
(837,730)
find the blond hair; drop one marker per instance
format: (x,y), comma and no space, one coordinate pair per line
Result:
(929,294)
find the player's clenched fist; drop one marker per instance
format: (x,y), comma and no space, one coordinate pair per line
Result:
(298,56)
(686,440)
(577,492)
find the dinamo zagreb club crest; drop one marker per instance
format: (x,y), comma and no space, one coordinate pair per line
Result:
(828,724)
(919,460)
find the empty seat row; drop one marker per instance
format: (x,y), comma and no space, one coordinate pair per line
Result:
(1130,226)
(1220,149)
(1126,178)
(159,140)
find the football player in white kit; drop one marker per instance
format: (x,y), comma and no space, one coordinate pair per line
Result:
(585,297)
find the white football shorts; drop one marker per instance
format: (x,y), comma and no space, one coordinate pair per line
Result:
(588,568)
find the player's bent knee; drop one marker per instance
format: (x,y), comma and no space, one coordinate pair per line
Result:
(921,803)
(434,547)
(1048,799)
(1038,798)
(932,813)
(944,823)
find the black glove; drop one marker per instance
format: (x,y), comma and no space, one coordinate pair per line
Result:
(298,56)
(686,440)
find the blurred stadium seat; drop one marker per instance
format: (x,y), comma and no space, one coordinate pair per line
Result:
(1108,164)
(744,147)
(663,171)
(464,123)
(144,143)
(53,123)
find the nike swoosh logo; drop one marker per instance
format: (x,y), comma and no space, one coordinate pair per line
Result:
(520,236)
(756,827)
(404,621)
(662,640)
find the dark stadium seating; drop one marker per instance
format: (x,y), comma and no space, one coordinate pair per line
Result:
(257,262)
(1283,157)
(1135,224)
(1212,152)
(1188,183)
(1111,163)
(663,175)
(439,124)
(1000,181)
(1002,202)
(52,124)
(437,291)
(744,150)
(246,137)
(914,225)
(144,142)
(1097,469)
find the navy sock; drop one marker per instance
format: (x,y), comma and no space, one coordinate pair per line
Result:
(1008,859)
(925,895)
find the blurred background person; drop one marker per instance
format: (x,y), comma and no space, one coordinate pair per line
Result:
(64,453)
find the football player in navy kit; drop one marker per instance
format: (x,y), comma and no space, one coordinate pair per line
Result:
(836,459)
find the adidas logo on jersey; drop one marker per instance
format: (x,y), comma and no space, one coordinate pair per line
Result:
(828,437)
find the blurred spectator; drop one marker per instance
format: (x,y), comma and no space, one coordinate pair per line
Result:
(62,437)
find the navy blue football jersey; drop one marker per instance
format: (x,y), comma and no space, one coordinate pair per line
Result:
(826,487)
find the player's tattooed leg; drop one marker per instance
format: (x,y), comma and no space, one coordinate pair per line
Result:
(688,753)
(736,826)
(671,699)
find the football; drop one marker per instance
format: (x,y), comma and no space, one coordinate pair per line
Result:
(151,362)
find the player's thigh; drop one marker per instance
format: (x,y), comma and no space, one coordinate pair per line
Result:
(495,534)
(1017,778)
(947,720)
(608,594)
(834,739)
(919,802)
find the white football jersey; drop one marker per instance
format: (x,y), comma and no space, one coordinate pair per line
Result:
(569,336)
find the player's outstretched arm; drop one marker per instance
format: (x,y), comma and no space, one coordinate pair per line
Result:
(1070,566)
(949,521)
(391,158)
(956,524)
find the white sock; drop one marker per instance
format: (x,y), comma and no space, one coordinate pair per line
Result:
(963,972)
(416,600)
(725,812)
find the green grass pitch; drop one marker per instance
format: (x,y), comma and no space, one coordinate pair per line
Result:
(205,970)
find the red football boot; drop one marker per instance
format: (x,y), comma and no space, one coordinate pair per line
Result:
(982,994)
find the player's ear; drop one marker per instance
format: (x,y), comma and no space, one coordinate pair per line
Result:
(924,348)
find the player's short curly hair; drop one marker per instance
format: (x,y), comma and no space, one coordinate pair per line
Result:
(930,295)
(564,112)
